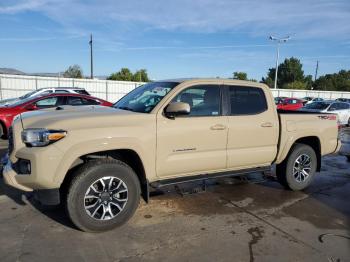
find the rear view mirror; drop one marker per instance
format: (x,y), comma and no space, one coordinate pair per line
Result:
(177,108)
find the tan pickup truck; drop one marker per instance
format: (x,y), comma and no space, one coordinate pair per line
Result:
(99,161)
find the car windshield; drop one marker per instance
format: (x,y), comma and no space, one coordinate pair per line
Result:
(317,105)
(28,94)
(144,98)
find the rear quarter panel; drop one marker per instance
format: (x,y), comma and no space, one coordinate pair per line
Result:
(296,126)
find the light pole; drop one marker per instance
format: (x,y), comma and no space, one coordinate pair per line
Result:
(279,41)
(91,59)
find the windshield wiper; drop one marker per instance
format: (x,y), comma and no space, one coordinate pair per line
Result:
(125,108)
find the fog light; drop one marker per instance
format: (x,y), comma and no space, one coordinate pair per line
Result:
(24,166)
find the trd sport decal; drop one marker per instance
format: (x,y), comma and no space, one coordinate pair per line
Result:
(328,117)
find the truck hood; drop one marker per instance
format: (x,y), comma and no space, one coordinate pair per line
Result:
(77,117)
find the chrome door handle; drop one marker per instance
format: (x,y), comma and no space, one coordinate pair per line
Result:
(218,127)
(267,124)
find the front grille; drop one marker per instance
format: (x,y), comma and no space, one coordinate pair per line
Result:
(10,138)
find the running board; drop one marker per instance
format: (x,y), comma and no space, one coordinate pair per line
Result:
(179,180)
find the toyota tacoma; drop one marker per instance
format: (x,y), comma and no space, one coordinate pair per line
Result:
(99,161)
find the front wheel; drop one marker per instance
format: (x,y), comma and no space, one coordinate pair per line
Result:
(103,195)
(299,169)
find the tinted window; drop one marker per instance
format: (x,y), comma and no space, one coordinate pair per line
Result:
(79,101)
(343,106)
(81,91)
(204,100)
(317,105)
(334,106)
(61,91)
(247,100)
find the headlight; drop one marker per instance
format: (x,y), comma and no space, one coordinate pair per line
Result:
(41,137)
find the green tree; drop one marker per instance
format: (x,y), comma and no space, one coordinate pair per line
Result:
(123,75)
(73,71)
(240,75)
(141,76)
(334,82)
(290,73)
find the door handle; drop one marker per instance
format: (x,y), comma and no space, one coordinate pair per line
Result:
(267,124)
(218,127)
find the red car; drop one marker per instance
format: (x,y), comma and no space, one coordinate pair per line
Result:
(290,104)
(8,112)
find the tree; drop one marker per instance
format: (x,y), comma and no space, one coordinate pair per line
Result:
(141,76)
(73,71)
(334,82)
(126,75)
(290,73)
(240,75)
(123,75)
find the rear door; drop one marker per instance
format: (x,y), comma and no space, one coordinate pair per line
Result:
(194,143)
(253,128)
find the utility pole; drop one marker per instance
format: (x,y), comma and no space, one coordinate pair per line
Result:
(91,59)
(316,70)
(279,41)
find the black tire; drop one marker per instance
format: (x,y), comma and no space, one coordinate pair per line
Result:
(348,158)
(284,171)
(2,133)
(87,175)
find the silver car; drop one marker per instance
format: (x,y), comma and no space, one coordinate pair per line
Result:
(340,108)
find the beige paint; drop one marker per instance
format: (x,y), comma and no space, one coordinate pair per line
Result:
(168,148)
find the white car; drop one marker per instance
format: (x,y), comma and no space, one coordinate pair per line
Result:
(340,108)
(46,91)
(312,100)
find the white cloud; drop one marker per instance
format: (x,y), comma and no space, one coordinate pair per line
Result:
(303,18)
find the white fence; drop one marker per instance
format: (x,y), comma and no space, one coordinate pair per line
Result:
(312,93)
(17,85)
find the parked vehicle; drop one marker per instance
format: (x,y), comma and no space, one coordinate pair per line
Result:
(290,104)
(100,160)
(315,99)
(46,91)
(345,100)
(279,99)
(8,112)
(340,108)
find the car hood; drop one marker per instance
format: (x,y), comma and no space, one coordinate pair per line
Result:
(78,117)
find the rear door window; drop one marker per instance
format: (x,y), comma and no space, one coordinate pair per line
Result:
(246,100)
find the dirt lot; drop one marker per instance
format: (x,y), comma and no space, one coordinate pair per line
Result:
(234,220)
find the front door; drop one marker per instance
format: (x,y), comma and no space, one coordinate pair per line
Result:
(194,143)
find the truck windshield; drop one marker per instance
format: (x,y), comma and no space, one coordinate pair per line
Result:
(144,98)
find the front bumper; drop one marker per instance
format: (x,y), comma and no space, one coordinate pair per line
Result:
(9,175)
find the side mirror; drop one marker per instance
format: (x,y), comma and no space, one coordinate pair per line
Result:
(176,109)
(31,107)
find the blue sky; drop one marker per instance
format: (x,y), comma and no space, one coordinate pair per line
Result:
(173,38)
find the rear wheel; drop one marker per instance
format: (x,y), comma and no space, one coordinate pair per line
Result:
(299,169)
(103,195)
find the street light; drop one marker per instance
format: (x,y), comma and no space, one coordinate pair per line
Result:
(279,41)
